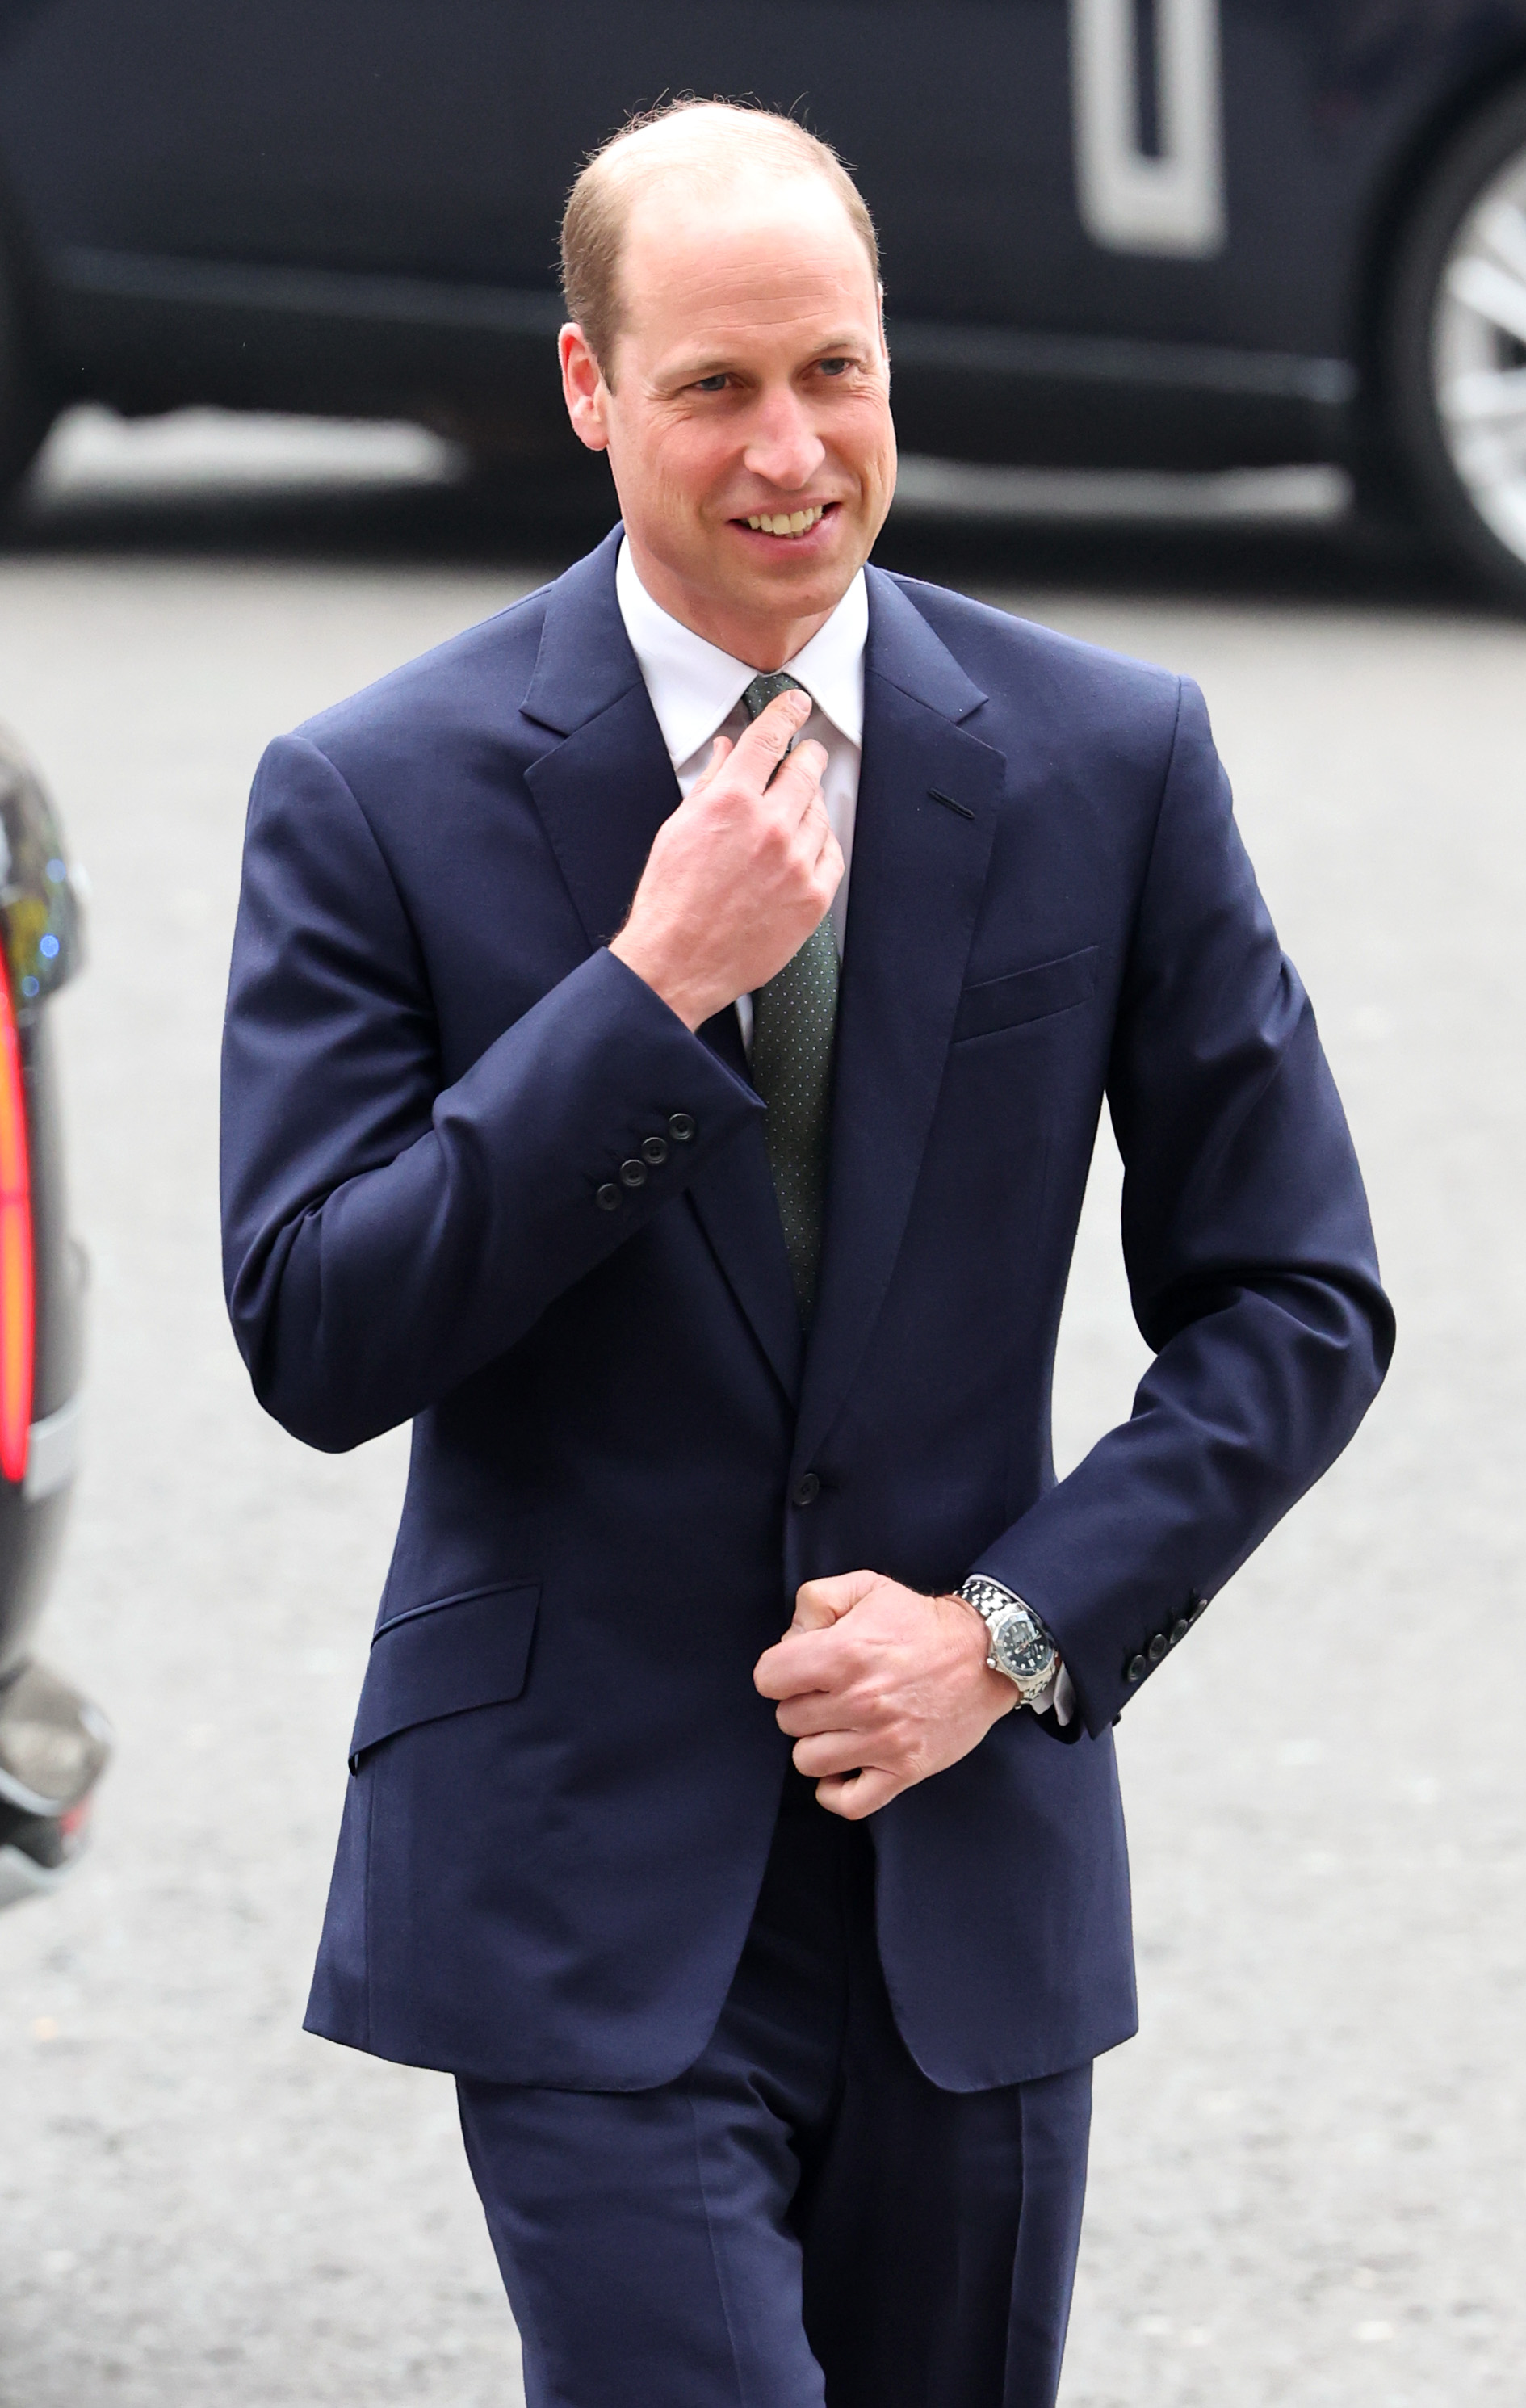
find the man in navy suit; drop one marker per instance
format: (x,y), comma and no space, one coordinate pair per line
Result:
(667,1033)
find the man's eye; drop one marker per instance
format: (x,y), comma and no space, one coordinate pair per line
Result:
(716,383)
(833,367)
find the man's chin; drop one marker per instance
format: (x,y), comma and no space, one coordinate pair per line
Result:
(789,574)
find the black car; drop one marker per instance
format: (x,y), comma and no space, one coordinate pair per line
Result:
(53,1742)
(1181,233)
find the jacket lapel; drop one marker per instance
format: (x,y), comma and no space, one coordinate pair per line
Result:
(919,871)
(603,793)
(733,1196)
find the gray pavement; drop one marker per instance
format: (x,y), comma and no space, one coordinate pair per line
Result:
(1309,2173)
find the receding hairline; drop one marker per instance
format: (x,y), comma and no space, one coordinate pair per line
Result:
(715,145)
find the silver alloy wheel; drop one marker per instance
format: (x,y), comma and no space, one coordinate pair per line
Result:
(1479,354)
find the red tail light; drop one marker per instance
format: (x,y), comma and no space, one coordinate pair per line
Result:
(17,1300)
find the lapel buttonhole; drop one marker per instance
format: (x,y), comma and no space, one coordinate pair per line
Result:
(949,805)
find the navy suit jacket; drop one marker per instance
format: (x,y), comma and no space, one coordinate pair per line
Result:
(625,1457)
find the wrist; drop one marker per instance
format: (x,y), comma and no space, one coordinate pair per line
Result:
(1000,1695)
(1020,1650)
(668,982)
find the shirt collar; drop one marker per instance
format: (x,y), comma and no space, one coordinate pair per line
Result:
(694,686)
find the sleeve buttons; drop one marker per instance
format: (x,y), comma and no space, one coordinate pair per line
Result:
(1172,1636)
(633,1171)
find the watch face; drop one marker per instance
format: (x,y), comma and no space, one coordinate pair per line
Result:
(1021,1647)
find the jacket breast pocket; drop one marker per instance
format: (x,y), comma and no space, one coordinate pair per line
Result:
(1033,994)
(445,1658)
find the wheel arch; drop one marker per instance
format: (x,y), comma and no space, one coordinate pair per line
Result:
(1409,174)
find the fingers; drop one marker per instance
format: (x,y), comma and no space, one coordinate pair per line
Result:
(798,783)
(830,1754)
(806,1660)
(820,1603)
(795,1665)
(809,1716)
(762,747)
(813,1610)
(720,752)
(854,1796)
(830,864)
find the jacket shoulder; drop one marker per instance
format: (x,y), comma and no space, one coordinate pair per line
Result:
(476,677)
(1017,660)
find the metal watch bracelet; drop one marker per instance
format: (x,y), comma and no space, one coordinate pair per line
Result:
(1019,1645)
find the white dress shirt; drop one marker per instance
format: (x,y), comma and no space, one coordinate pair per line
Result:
(696,693)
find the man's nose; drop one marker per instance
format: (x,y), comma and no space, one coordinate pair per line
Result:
(783,448)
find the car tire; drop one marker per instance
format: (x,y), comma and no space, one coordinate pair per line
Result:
(1455,349)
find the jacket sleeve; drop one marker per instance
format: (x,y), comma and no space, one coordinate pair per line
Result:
(385,1235)
(1249,1255)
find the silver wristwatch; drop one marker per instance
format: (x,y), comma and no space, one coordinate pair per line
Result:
(1019,1645)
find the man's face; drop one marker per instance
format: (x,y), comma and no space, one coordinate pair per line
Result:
(751,394)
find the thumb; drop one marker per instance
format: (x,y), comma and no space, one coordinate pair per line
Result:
(820,1603)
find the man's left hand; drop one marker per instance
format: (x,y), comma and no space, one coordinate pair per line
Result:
(879,1686)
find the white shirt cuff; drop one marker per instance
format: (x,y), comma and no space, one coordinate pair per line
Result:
(1059,1691)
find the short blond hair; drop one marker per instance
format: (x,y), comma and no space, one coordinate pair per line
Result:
(598,205)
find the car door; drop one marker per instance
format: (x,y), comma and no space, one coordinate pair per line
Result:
(1071,165)
(381,135)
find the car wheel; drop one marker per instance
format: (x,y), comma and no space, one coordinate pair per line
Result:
(1455,350)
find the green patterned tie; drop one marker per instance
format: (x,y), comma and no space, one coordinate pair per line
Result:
(793,1018)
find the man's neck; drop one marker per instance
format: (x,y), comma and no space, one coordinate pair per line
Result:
(762,643)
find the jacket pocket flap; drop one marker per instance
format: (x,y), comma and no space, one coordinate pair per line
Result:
(442,1659)
(1026,994)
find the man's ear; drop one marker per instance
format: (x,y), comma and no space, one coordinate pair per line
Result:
(583,389)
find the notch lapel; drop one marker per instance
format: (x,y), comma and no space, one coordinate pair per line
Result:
(919,874)
(603,793)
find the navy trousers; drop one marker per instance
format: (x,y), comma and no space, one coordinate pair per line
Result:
(802,2220)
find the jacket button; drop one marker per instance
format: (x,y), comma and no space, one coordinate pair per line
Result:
(807,1489)
(1180,1631)
(1199,1605)
(654,1149)
(607,1197)
(1157,1647)
(1136,1670)
(681,1127)
(633,1173)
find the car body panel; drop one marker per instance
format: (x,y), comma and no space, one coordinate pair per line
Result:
(355,206)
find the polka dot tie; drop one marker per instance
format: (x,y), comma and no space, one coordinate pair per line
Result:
(793,1020)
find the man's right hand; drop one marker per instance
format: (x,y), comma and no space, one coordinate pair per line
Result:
(740,874)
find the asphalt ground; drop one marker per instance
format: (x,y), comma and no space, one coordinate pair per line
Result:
(1308,2172)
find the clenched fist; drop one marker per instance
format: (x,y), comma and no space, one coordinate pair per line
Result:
(880,1687)
(740,874)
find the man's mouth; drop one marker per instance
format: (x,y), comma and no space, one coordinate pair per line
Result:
(788,524)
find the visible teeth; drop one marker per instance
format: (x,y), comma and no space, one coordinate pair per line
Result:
(787,522)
